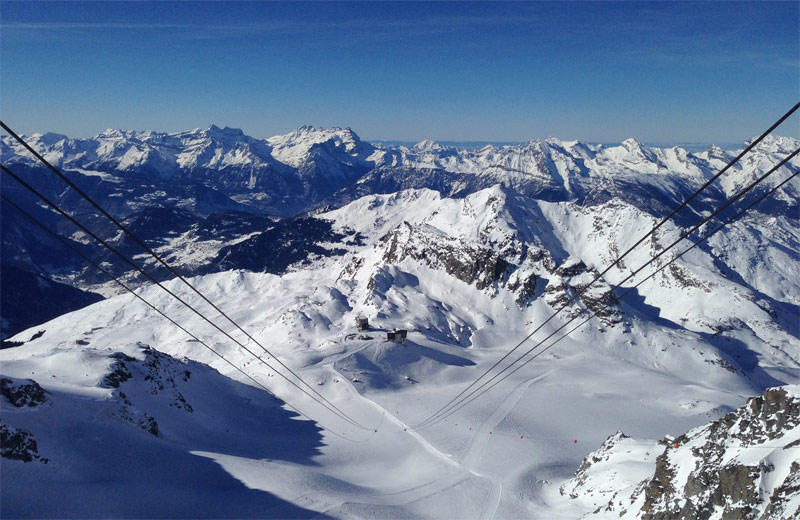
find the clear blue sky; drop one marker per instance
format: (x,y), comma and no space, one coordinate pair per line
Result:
(598,72)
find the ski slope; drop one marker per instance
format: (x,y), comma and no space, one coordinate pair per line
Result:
(692,346)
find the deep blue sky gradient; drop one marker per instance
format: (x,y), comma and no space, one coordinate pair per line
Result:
(598,72)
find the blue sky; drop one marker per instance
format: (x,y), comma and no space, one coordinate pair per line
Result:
(598,72)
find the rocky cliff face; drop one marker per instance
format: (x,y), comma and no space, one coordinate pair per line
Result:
(741,466)
(745,465)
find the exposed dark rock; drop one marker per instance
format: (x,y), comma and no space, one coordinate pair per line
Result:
(718,481)
(573,279)
(471,263)
(19,444)
(726,470)
(119,371)
(581,475)
(156,368)
(23,392)
(786,491)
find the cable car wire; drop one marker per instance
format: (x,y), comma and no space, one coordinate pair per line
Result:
(165,264)
(477,392)
(629,290)
(579,292)
(105,244)
(159,311)
(611,290)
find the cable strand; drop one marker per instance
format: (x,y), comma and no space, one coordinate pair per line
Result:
(477,392)
(160,285)
(152,253)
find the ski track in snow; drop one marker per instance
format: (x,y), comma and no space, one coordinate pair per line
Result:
(466,467)
(726,334)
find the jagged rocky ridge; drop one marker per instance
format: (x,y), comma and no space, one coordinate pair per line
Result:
(225,169)
(467,267)
(466,277)
(742,466)
(168,187)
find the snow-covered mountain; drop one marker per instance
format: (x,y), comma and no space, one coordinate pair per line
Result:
(311,166)
(468,269)
(281,175)
(220,171)
(744,465)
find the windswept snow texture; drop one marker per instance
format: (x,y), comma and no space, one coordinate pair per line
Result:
(111,411)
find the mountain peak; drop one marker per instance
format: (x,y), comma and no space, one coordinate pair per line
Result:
(111,132)
(318,134)
(774,143)
(631,144)
(49,138)
(304,129)
(427,145)
(227,131)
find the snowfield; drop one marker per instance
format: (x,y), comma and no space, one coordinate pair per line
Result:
(135,419)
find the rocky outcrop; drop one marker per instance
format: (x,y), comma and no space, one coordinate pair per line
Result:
(745,465)
(734,461)
(18,444)
(468,262)
(513,265)
(157,374)
(22,392)
(573,279)
(606,482)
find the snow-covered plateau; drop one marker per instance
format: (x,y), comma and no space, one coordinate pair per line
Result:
(113,411)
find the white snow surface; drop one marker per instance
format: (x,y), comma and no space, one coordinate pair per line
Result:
(550,163)
(612,480)
(691,345)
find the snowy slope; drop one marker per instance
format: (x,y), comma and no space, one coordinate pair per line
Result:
(468,278)
(744,465)
(122,430)
(289,173)
(28,299)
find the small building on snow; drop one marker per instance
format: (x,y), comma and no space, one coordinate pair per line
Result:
(362,323)
(397,335)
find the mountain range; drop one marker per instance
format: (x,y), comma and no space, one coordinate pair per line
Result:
(468,250)
(289,174)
